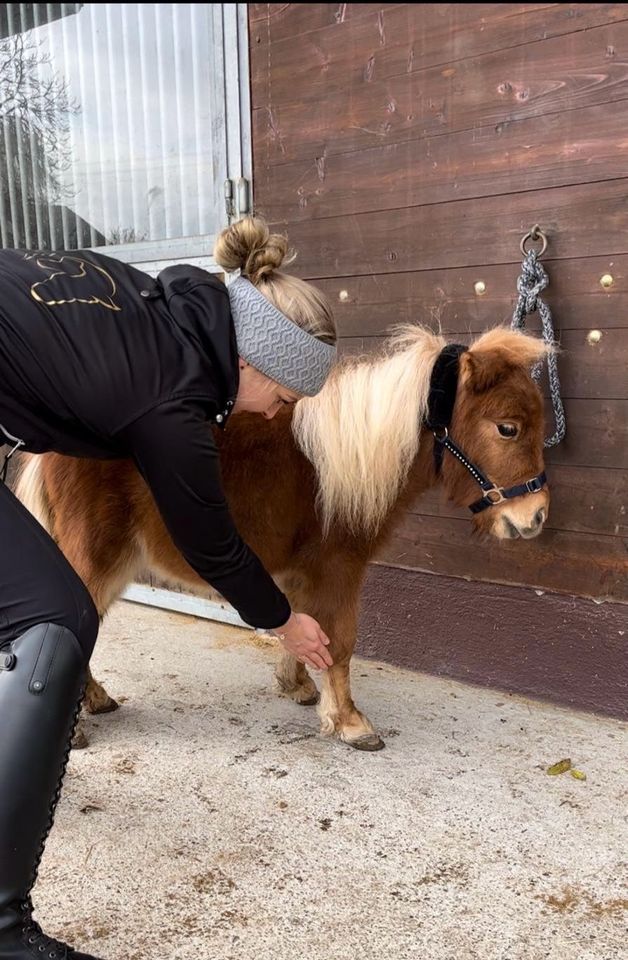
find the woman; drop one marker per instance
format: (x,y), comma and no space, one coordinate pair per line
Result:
(99,360)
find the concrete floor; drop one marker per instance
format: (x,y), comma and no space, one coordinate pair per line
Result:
(207,820)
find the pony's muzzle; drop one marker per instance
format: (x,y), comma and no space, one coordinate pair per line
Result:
(527,528)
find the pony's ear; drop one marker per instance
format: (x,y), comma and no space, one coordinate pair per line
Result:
(497,353)
(483,370)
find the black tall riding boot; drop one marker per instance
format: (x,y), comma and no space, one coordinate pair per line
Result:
(41,684)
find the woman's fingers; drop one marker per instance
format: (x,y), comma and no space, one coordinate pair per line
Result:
(311,646)
(316,649)
(325,655)
(316,661)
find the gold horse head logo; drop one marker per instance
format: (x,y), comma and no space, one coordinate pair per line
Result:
(84,276)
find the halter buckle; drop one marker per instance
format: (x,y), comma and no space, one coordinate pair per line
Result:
(534,486)
(495,495)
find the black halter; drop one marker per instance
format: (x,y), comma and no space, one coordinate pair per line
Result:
(443,386)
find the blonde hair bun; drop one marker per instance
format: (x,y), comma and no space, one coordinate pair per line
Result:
(249,245)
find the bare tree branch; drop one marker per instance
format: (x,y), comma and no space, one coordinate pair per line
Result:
(35,100)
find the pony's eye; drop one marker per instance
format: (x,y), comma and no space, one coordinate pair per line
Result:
(507,430)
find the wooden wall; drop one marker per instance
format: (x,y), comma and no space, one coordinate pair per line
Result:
(405,148)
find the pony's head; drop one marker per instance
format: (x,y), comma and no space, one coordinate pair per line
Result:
(363,431)
(498,422)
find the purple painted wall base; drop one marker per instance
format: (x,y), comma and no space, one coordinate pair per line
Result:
(552,647)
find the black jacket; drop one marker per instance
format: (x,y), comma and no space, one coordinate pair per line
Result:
(99,360)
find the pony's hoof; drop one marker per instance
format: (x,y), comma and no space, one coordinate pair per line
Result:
(79,740)
(309,703)
(102,706)
(369,742)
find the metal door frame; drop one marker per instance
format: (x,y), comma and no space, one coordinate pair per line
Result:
(153,257)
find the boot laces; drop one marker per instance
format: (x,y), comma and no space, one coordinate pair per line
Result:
(41,943)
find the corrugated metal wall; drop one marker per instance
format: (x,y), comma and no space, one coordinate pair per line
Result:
(112,122)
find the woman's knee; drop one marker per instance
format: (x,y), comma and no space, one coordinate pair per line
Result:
(74,608)
(88,624)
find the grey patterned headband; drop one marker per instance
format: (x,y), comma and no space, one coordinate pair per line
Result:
(276,346)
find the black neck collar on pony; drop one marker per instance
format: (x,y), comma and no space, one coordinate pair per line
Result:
(440,408)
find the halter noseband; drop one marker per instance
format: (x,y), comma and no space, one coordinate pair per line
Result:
(442,396)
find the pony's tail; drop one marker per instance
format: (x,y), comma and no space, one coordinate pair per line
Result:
(31,490)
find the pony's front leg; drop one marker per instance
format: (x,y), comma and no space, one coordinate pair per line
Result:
(293,681)
(339,714)
(291,678)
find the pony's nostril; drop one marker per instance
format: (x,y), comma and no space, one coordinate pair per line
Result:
(539,517)
(511,529)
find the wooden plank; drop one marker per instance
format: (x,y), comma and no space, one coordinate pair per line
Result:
(586,370)
(582,564)
(574,146)
(594,370)
(597,435)
(368,305)
(558,648)
(583,70)
(294,19)
(398,40)
(583,220)
(583,500)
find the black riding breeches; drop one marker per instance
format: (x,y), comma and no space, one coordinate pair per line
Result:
(37,584)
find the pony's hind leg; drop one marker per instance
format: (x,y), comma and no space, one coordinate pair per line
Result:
(96,699)
(106,561)
(106,578)
(94,530)
(106,582)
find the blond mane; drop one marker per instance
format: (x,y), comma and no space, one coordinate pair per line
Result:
(362,430)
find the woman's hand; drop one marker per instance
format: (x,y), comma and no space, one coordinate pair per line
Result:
(303,637)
